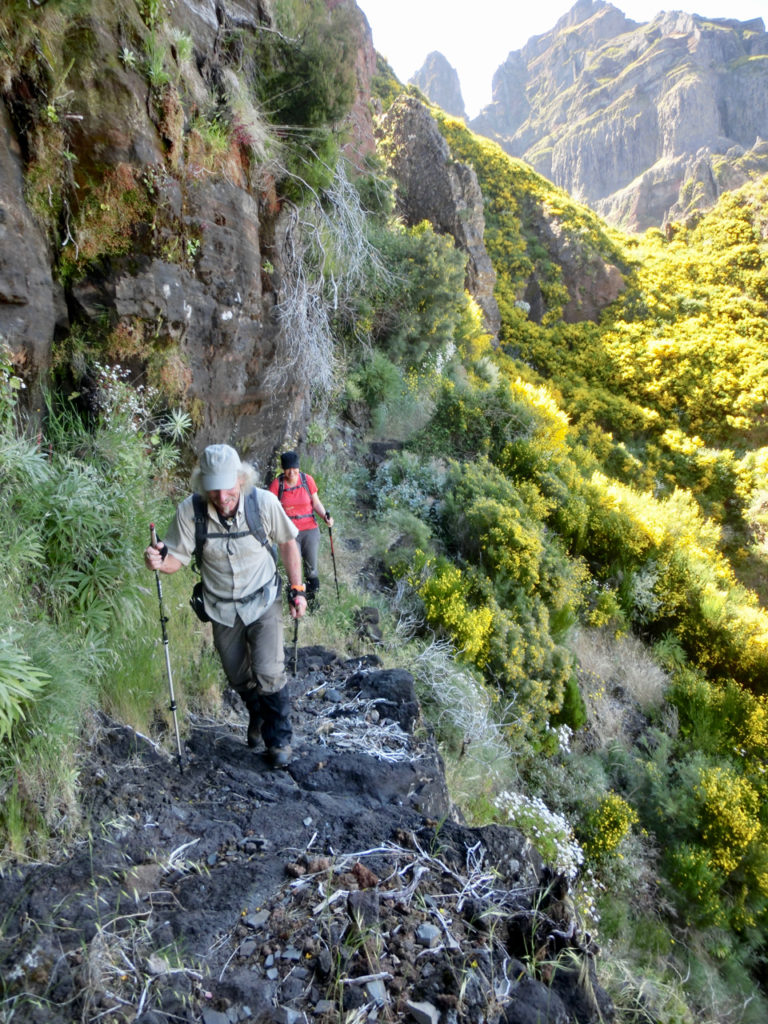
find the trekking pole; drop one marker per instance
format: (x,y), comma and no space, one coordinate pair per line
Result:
(295,645)
(333,559)
(163,620)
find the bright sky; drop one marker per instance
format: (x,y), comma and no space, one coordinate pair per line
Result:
(476,36)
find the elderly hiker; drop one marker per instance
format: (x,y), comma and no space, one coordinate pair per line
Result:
(297,493)
(229,526)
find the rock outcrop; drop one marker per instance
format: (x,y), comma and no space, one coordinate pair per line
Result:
(643,122)
(229,892)
(439,81)
(122,220)
(432,186)
(591,282)
(31,303)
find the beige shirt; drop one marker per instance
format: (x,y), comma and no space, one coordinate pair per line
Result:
(233,568)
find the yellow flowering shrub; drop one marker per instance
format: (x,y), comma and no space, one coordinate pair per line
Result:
(606,826)
(696,883)
(445,593)
(511,546)
(728,809)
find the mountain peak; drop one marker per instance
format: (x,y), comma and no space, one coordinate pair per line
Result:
(644,122)
(439,82)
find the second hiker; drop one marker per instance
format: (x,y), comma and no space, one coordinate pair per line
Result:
(297,493)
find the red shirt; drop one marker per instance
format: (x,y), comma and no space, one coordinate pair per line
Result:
(296,502)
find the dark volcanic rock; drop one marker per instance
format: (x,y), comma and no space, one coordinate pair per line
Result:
(31,304)
(228,891)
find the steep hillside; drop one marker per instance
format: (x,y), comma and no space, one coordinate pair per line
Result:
(647,123)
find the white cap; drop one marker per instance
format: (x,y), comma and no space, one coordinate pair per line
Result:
(219,466)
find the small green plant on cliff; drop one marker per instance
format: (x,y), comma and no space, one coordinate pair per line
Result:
(214,133)
(182,44)
(156,60)
(151,11)
(109,214)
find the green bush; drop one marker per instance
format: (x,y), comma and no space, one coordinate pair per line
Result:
(573,712)
(72,588)
(419,311)
(306,71)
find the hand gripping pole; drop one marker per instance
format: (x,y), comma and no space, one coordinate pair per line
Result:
(163,620)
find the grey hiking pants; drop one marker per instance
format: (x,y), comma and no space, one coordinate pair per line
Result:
(253,660)
(309,544)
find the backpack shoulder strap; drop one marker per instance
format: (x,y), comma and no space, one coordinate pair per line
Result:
(200,507)
(305,485)
(255,522)
(280,486)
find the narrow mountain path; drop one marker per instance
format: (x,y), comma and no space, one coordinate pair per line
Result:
(341,888)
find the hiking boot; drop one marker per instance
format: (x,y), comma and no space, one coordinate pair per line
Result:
(254,729)
(279,757)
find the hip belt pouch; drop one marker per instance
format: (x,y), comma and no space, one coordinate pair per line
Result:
(266,594)
(197,603)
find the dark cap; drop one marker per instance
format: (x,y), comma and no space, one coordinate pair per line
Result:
(289,460)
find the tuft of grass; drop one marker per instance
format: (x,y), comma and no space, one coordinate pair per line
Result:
(617,676)
(156,59)
(182,44)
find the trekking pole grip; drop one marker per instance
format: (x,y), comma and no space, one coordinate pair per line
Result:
(163,549)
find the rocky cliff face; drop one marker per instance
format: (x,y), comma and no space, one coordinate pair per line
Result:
(31,304)
(438,80)
(434,187)
(127,216)
(644,122)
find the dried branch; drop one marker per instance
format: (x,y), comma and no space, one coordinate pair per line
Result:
(327,260)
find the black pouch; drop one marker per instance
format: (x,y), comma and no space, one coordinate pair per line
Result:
(197,604)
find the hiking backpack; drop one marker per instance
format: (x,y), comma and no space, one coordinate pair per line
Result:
(305,485)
